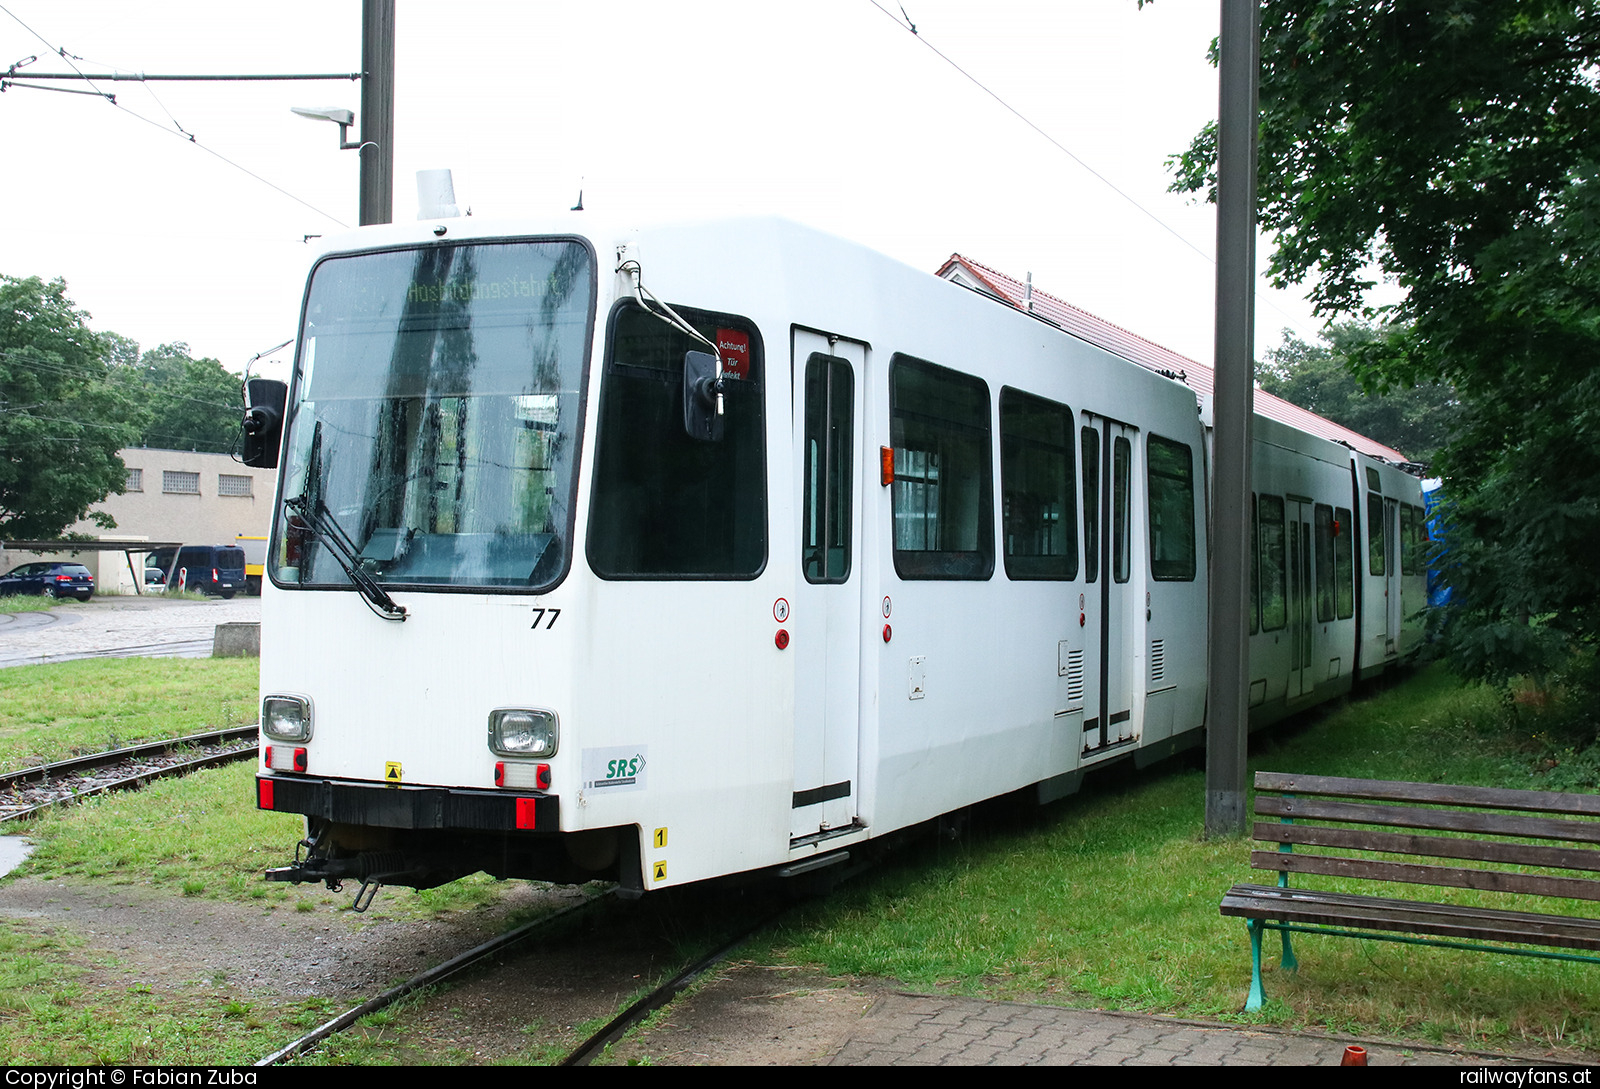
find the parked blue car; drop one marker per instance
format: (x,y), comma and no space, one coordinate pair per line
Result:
(49,579)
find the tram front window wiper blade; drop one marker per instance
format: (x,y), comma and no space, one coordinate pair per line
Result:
(338,543)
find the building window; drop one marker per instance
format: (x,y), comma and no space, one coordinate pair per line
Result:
(135,481)
(180,483)
(233,485)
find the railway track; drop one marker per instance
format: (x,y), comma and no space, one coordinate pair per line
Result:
(25,793)
(580,1055)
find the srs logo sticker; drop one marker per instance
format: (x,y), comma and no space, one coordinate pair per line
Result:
(616,770)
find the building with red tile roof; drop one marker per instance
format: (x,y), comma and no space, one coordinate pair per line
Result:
(1134,348)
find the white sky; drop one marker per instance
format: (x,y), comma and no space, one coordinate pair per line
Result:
(825,112)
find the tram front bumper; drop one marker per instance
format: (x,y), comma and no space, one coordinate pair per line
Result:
(416,807)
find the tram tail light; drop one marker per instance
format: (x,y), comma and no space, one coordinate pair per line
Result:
(886,464)
(517,775)
(284,758)
(263,793)
(525,813)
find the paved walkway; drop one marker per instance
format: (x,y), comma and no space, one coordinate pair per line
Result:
(767,1015)
(921,1030)
(149,626)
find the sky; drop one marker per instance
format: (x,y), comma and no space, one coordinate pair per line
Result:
(830,113)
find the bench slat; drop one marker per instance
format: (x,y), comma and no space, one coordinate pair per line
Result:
(1406,916)
(1411,873)
(1544,801)
(1493,824)
(1400,843)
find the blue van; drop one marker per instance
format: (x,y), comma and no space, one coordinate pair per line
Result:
(207,569)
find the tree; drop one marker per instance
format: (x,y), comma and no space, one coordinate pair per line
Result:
(62,419)
(1453,149)
(194,404)
(1417,421)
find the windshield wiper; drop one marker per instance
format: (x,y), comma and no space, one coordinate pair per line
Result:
(344,552)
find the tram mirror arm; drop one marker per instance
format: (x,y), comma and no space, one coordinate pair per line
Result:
(263,422)
(702,397)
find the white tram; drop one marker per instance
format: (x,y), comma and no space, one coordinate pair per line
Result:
(542,604)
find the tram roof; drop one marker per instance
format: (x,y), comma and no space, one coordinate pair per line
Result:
(1134,348)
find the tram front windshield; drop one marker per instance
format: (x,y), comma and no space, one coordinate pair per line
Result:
(436,417)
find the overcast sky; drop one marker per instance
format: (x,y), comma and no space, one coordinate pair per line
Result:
(830,113)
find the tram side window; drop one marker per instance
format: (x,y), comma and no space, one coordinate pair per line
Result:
(1408,540)
(1374,532)
(1274,597)
(943,493)
(1344,564)
(1171,470)
(825,529)
(1324,561)
(1037,491)
(1091,503)
(667,505)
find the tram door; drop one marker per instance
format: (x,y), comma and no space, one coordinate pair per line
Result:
(825,616)
(1107,449)
(1297,515)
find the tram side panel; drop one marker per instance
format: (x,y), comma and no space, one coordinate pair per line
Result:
(1303,594)
(991,674)
(1393,563)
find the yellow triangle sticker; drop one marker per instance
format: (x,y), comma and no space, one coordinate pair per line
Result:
(391,771)
(659,872)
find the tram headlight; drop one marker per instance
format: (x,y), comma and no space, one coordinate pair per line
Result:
(286,718)
(516,732)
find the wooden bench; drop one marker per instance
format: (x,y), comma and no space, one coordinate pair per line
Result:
(1308,816)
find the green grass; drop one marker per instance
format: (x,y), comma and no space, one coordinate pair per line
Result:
(61,1007)
(29,603)
(49,712)
(1109,899)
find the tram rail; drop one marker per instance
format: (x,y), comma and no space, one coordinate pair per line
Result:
(27,792)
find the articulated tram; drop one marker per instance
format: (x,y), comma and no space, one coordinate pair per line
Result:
(662,553)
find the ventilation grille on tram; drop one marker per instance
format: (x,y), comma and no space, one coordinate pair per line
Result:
(1158,661)
(1075,677)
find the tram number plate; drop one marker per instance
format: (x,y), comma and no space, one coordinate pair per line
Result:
(538,618)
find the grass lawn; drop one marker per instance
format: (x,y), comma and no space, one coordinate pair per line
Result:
(1109,899)
(52,711)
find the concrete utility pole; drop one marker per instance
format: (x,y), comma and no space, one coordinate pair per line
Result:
(377,111)
(1228,708)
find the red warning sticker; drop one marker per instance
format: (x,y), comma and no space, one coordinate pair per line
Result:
(734,346)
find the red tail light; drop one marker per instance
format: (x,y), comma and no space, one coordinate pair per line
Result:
(214,576)
(63,578)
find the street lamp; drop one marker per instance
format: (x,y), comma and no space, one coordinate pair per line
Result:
(343,118)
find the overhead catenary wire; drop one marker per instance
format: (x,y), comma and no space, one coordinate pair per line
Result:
(185,136)
(904,22)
